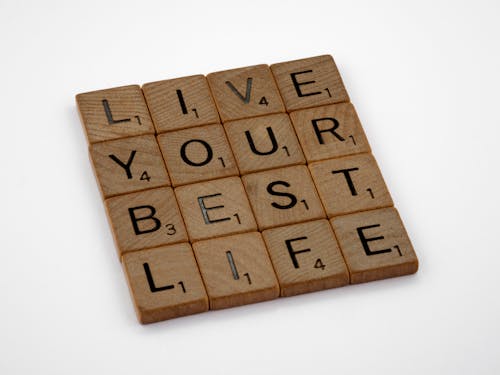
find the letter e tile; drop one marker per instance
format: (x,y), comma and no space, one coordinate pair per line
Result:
(375,245)
(236,270)
(310,82)
(145,219)
(165,283)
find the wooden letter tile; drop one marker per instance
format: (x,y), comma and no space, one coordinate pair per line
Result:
(330,131)
(215,208)
(350,184)
(283,196)
(236,270)
(197,154)
(114,113)
(264,142)
(309,82)
(245,92)
(375,245)
(306,257)
(145,219)
(180,103)
(165,283)
(128,165)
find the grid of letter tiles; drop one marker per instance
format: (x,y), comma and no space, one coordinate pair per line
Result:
(242,186)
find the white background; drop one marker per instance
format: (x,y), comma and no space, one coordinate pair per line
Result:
(425,79)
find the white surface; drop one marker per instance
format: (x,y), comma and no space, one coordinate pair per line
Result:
(425,79)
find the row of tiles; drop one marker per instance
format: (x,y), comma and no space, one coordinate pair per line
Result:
(220,97)
(214,151)
(169,282)
(256,201)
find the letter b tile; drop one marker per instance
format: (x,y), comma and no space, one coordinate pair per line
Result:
(145,219)
(375,245)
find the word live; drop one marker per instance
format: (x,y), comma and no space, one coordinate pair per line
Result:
(242,186)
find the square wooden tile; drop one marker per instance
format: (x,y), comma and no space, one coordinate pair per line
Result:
(197,154)
(215,208)
(310,82)
(127,165)
(245,92)
(375,245)
(145,219)
(180,103)
(264,142)
(165,283)
(329,131)
(350,184)
(306,257)
(236,270)
(114,113)
(283,196)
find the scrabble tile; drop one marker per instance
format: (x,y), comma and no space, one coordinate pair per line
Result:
(165,283)
(215,208)
(329,131)
(127,165)
(309,82)
(306,257)
(145,219)
(180,103)
(283,196)
(375,245)
(236,270)
(114,113)
(264,142)
(245,92)
(197,154)
(350,184)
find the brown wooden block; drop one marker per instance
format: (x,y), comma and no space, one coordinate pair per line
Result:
(197,154)
(350,184)
(283,196)
(236,270)
(114,113)
(329,131)
(180,103)
(306,257)
(215,208)
(375,245)
(309,82)
(264,142)
(165,283)
(245,92)
(128,165)
(145,219)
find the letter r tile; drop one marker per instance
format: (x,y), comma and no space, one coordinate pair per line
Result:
(145,219)
(215,208)
(165,283)
(375,245)
(114,113)
(245,92)
(309,82)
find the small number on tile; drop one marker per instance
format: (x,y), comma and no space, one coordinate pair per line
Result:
(319,264)
(328,92)
(171,229)
(305,203)
(195,112)
(222,162)
(182,286)
(399,250)
(353,140)
(237,218)
(247,275)
(145,176)
(286,150)
(263,101)
(371,193)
